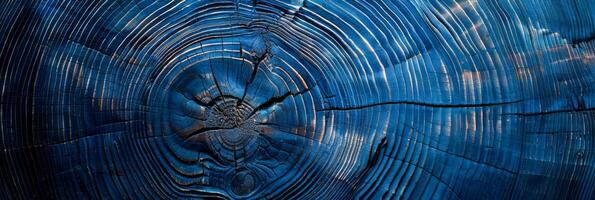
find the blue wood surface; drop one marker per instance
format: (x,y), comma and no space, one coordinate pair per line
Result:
(297,99)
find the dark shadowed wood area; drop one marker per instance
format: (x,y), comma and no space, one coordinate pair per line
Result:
(297,99)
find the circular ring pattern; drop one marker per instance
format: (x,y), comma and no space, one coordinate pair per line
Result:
(297,99)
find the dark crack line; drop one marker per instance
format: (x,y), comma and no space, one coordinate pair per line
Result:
(374,159)
(424,104)
(277,99)
(253,74)
(371,162)
(255,68)
(394,157)
(213,73)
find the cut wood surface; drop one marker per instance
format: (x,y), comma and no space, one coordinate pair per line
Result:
(297,99)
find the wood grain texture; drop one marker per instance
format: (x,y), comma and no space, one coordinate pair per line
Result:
(298,99)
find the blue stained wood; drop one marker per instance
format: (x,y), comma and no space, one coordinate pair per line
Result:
(300,99)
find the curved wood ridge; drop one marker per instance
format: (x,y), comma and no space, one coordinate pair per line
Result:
(297,99)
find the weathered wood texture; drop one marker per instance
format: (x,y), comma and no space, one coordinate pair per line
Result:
(364,99)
